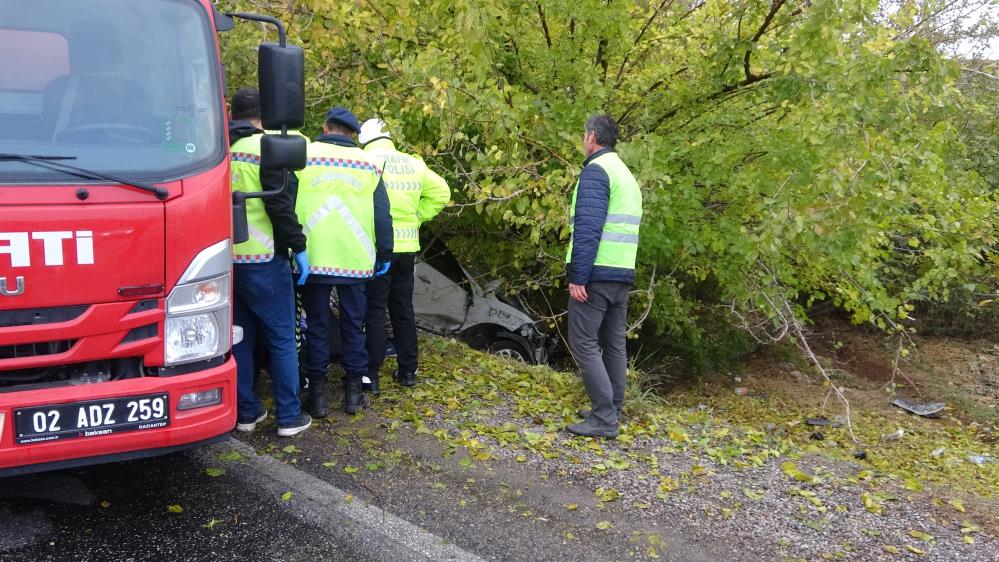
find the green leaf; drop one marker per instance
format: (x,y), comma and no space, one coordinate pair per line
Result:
(872,503)
(604,525)
(175,508)
(231,456)
(287,496)
(792,470)
(607,494)
(214,471)
(349,469)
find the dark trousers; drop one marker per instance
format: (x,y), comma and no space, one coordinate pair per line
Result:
(318,323)
(393,291)
(597,334)
(264,305)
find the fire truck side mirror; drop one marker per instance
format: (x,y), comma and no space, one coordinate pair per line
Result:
(281,72)
(240,225)
(280,152)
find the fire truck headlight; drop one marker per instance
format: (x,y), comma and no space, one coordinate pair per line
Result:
(195,337)
(198,311)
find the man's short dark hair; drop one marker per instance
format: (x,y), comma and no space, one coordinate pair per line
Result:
(604,127)
(245,104)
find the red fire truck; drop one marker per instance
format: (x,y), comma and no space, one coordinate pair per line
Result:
(116,226)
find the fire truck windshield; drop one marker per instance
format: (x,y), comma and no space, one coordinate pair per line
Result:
(127,88)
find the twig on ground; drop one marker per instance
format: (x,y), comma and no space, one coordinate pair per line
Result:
(381,501)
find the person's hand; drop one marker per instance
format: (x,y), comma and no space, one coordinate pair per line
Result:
(302,261)
(578,292)
(383,269)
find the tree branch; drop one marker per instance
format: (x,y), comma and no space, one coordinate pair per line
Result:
(775,6)
(601,59)
(620,71)
(544,25)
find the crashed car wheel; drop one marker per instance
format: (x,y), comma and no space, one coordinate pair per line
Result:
(512,349)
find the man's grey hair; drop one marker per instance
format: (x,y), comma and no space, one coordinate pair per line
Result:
(604,127)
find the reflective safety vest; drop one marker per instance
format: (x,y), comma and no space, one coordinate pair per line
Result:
(336,208)
(619,241)
(245,171)
(415,192)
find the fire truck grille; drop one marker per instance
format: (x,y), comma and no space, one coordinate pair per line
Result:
(35,316)
(35,349)
(74,374)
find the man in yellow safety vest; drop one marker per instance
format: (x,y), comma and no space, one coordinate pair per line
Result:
(344,208)
(604,220)
(264,298)
(416,194)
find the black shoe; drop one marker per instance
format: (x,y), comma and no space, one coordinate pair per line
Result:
(590,429)
(295,427)
(390,349)
(406,379)
(354,398)
(317,400)
(249,424)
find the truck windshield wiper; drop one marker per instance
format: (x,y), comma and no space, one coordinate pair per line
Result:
(55,163)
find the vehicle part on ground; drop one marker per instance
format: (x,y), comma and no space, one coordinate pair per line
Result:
(925,410)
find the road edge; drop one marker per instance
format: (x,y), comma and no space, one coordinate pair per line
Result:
(379,534)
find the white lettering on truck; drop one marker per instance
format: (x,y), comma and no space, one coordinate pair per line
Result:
(18,246)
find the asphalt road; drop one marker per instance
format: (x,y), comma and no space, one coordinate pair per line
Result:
(259,510)
(342,491)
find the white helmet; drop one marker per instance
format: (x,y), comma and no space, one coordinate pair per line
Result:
(373,129)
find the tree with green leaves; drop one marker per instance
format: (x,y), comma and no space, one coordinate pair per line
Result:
(790,152)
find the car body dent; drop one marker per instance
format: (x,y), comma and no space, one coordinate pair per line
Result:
(448,301)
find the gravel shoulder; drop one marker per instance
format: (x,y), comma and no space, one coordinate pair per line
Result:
(476,454)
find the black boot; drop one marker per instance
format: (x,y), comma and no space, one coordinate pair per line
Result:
(317,399)
(405,379)
(375,389)
(354,399)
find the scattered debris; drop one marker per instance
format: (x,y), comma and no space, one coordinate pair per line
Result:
(893,436)
(938,452)
(980,459)
(799,376)
(817,436)
(823,422)
(741,391)
(925,410)
(860,455)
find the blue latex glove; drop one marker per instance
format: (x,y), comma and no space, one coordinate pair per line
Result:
(383,269)
(302,261)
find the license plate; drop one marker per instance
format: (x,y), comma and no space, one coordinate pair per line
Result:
(91,419)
